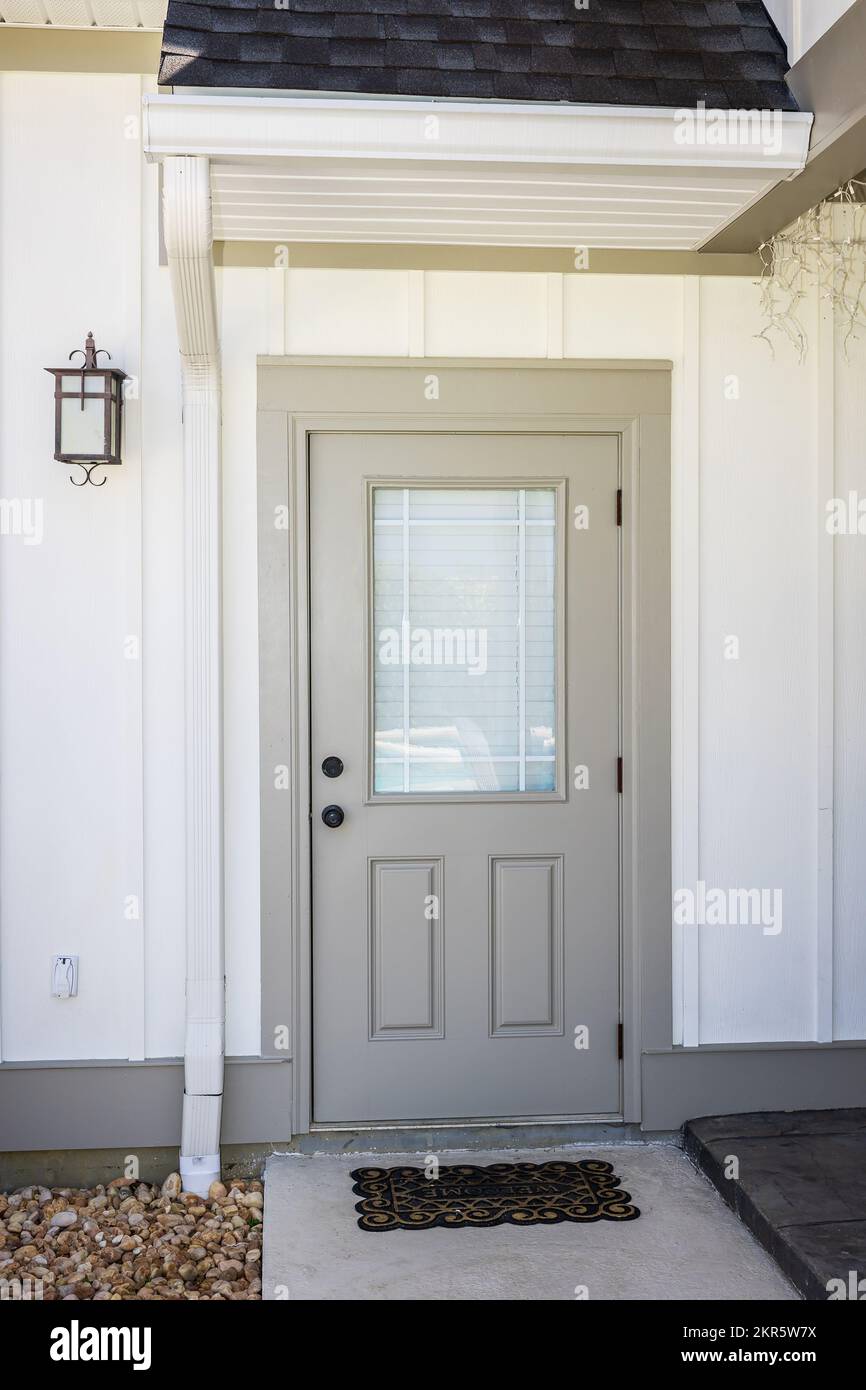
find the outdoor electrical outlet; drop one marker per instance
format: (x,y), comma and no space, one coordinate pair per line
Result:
(64,977)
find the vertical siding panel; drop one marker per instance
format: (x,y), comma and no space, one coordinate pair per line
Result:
(348,313)
(685,686)
(555,316)
(758,713)
(134,907)
(244,297)
(496,314)
(825,487)
(849,419)
(163,673)
(275,309)
(416,311)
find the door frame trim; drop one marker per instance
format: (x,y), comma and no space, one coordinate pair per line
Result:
(302,396)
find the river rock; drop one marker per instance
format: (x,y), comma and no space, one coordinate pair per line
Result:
(64,1218)
(35,1193)
(134,1240)
(172,1186)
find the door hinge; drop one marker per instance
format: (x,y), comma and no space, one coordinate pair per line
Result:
(620,1049)
(619,506)
(619,774)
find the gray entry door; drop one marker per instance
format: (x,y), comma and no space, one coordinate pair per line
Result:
(464,663)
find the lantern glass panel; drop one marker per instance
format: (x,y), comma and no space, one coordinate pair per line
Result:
(94,385)
(83,431)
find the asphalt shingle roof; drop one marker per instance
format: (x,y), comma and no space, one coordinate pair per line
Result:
(673,53)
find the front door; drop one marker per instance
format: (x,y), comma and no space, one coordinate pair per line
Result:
(465,721)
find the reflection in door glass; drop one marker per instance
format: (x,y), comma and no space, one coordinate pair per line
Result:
(464,629)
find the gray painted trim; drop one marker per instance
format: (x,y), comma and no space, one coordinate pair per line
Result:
(134,1105)
(87,1167)
(539,259)
(828,79)
(53,49)
(651,734)
(632,399)
(679,1085)
(275,735)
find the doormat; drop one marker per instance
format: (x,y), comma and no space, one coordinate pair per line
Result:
(519,1194)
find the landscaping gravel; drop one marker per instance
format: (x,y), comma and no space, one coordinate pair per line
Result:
(131,1240)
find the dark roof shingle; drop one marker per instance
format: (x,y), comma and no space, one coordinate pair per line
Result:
(625,52)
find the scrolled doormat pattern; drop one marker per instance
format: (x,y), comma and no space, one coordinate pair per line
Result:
(520,1194)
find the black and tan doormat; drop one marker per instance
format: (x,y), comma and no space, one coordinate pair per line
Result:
(520,1194)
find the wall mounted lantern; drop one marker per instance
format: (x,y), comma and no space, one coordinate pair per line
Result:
(88,410)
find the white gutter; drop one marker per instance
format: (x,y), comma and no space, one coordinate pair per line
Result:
(189,243)
(315,127)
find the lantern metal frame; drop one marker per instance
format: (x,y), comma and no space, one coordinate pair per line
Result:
(112,397)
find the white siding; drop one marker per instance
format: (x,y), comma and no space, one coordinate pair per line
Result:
(70,702)
(803,22)
(91,807)
(494,315)
(758,734)
(338,312)
(162,531)
(244,297)
(849,398)
(623,316)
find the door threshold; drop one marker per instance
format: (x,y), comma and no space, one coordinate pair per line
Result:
(549,1133)
(496,1122)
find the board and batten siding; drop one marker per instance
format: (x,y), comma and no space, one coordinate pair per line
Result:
(91,751)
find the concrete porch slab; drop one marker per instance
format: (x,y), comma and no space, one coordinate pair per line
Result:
(799,1184)
(686,1244)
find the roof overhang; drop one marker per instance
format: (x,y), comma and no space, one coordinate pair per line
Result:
(338,169)
(81,36)
(828,80)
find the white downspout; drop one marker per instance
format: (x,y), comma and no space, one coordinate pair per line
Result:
(189,244)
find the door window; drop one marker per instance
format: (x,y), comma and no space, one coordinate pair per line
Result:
(464,638)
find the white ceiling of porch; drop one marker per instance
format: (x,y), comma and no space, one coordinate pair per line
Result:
(435,204)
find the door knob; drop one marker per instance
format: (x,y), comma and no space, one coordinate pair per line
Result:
(333,816)
(332,767)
